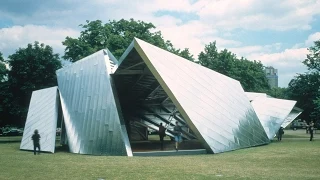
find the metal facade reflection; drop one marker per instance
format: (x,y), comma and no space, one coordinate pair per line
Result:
(42,115)
(91,117)
(292,115)
(214,106)
(103,102)
(272,112)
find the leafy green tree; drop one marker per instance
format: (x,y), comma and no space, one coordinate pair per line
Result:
(1,58)
(316,112)
(116,36)
(3,69)
(31,68)
(3,75)
(186,54)
(313,58)
(278,92)
(250,73)
(305,88)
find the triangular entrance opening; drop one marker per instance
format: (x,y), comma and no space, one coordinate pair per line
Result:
(144,105)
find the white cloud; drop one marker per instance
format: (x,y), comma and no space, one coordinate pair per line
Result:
(218,20)
(313,37)
(19,36)
(288,63)
(257,15)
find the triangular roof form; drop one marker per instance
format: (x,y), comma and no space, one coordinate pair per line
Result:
(295,112)
(214,106)
(272,112)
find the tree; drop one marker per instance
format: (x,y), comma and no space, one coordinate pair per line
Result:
(278,92)
(250,73)
(31,68)
(313,58)
(3,69)
(116,36)
(305,88)
(186,54)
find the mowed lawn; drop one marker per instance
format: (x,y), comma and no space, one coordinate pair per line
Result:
(295,157)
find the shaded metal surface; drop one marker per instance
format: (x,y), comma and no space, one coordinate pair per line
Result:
(91,117)
(42,115)
(295,112)
(143,101)
(272,112)
(214,106)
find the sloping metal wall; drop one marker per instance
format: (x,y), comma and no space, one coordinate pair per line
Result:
(272,113)
(88,103)
(253,95)
(214,106)
(42,115)
(292,115)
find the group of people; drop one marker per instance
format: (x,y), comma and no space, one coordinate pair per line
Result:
(309,129)
(177,131)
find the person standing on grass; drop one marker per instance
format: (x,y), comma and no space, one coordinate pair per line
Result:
(280,133)
(162,134)
(311,126)
(36,141)
(177,135)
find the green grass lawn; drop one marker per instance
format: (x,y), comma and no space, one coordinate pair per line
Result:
(295,157)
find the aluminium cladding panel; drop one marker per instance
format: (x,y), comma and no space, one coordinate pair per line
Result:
(42,115)
(253,95)
(214,106)
(90,113)
(272,113)
(292,115)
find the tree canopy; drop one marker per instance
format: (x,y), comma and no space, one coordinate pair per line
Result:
(3,69)
(305,88)
(278,92)
(250,73)
(31,68)
(116,36)
(313,58)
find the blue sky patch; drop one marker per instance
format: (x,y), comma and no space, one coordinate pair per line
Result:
(5,23)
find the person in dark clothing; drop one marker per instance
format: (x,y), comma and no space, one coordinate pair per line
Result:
(177,135)
(162,134)
(36,141)
(311,127)
(280,133)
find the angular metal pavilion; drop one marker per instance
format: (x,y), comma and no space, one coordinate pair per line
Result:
(152,81)
(295,112)
(272,112)
(105,102)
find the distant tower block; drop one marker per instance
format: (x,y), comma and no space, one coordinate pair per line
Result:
(272,76)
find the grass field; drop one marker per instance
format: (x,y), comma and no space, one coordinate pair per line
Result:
(295,157)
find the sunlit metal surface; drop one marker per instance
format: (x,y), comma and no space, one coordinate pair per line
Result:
(92,121)
(42,115)
(292,115)
(214,106)
(253,95)
(272,112)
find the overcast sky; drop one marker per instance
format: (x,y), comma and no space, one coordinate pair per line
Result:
(275,32)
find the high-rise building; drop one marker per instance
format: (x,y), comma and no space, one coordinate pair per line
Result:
(272,76)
